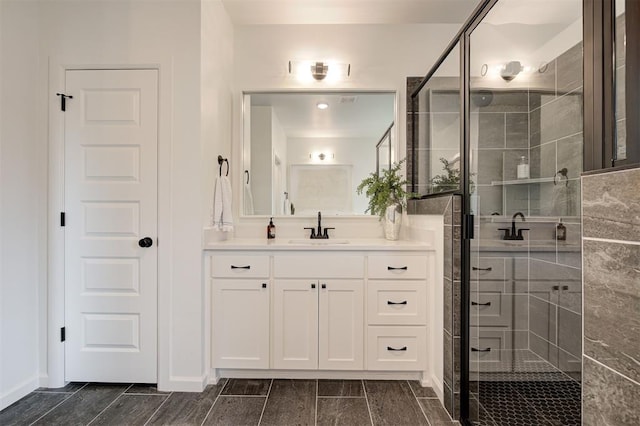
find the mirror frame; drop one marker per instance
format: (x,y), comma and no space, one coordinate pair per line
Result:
(241,175)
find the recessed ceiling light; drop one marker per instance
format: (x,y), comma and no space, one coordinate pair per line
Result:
(322,105)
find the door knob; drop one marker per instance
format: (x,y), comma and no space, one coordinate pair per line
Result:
(145,242)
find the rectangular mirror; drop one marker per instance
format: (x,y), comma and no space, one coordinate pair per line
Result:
(305,152)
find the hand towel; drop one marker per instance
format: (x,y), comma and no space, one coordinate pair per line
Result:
(222,212)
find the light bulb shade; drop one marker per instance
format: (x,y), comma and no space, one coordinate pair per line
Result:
(511,70)
(319,70)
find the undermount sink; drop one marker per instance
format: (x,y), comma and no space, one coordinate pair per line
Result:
(328,242)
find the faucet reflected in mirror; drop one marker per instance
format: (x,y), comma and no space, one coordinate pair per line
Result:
(513,233)
(319,235)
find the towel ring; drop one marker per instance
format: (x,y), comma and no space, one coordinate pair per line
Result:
(563,176)
(246,172)
(220,161)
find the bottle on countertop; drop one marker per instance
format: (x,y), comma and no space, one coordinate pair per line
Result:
(523,168)
(271,230)
(561,231)
(286,208)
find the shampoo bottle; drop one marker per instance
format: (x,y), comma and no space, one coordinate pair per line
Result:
(523,168)
(561,231)
(271,230)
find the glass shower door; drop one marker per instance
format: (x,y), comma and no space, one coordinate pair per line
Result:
(525,159)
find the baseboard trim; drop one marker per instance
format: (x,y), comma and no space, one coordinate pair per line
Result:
(186,384)
(312,374)
(436,385)
(18,392)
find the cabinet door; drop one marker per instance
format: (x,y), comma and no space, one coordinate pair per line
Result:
(241,323)
(295,324)
(341,325)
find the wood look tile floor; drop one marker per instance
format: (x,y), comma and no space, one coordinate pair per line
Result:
(234,402)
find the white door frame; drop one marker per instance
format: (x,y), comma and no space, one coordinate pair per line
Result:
(55,292)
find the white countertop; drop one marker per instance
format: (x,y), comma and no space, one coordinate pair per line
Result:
(285,244)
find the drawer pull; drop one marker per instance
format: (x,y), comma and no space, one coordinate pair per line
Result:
(475,268)
(480,350)
(323,286)
(389,348)
(389,302)
(313,286)
(391,268)
(480,304)
(264,285)
(240,267)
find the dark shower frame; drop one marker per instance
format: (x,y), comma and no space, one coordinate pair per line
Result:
(598,119)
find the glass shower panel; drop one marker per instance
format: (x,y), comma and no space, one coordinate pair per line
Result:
(436,123)
(525,158)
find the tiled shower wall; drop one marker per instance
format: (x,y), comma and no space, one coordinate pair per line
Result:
(611,240)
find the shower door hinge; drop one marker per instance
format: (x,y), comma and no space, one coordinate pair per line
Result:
(63,334)
(467,226)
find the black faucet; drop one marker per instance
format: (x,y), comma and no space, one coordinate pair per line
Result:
(513,234)
(319,235)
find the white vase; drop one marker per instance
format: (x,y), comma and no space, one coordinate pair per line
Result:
(391,222)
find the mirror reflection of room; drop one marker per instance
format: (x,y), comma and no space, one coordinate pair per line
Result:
(306,152)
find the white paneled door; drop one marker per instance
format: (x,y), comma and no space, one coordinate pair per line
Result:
(111,139)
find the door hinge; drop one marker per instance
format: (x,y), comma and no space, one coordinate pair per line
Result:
(63,100)
(467,226)
(63,334)
(62,219)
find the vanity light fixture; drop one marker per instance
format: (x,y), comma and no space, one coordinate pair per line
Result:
(321,156)
(319,70)
(322,105)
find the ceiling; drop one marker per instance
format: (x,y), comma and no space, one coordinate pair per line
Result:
(277,12)
(350,115)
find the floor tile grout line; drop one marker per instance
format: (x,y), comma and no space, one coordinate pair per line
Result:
(340,397)
(147,394)
(265,402)
(60,403)
(53,392)
(110,404)
(243,396)
(215,400)
(315,422)
(415,397)
(366,398)
(158,409)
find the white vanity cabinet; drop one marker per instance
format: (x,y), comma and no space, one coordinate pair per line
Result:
(318,323)
(309,311)
(241,289)
(396,312)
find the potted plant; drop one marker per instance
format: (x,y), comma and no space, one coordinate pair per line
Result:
(387,197)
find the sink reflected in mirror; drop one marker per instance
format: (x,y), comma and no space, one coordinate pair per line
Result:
(330,242)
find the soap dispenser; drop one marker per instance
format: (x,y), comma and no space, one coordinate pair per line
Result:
(523,168)
(561,231)
(271,230)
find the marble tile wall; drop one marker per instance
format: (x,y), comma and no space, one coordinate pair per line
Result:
(611,258)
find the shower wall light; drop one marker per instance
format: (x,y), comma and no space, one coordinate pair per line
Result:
(319,70)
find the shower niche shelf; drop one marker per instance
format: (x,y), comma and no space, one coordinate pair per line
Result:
(521,181)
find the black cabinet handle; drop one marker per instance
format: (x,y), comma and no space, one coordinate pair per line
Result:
(480,304)
(324,286)
(145,242)
(264,285)
(480,350)
(389,302)
(240,267)
(391,268)
(389,348)
(313,286)
(475,268)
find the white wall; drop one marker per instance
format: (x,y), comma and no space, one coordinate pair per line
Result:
(22,202)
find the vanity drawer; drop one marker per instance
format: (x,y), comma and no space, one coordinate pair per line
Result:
(396,302)
(240,266)
(397,267)
(315,265)
(396,348)
(488,268)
